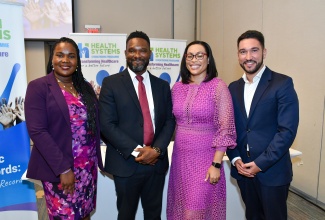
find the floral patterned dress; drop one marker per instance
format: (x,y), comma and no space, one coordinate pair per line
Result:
(83,201)
(204,123)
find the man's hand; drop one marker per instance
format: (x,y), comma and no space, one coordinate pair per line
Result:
(252,168)
(242,168)
(147,155)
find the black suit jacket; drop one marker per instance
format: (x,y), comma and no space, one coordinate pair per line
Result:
(121,122)
(270,128)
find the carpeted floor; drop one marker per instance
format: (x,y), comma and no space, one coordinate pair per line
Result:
(298,207)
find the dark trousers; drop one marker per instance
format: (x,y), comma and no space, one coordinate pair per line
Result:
(264,202)
(144,184)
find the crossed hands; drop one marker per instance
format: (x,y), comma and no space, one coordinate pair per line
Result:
(247,169)
(147,155)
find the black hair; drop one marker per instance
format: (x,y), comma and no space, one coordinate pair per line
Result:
(138,34)
(211,69)
(85,90)
(252,34)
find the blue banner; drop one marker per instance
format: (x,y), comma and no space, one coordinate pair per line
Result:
(17,195)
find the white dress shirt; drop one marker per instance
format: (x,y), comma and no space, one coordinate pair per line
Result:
(147,85)
(249,91)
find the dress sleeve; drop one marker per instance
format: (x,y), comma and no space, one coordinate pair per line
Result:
(225,137)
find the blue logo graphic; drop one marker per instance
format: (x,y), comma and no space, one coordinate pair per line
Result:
(100,76)
(83,51)
(165,76)
(151,56)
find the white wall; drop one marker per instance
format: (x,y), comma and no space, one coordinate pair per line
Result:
(172,19)
(294,33)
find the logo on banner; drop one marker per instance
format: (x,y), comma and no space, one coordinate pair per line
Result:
(165,60)
(166,53)
(99,50)
(83,51)
(4,34)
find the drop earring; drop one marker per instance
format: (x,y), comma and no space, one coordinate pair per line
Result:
(52,66)
(77,69)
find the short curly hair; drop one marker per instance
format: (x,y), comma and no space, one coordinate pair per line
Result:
(138,34)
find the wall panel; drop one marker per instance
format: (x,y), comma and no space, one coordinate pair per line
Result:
(294,32)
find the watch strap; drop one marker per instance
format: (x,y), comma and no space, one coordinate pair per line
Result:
(216,165)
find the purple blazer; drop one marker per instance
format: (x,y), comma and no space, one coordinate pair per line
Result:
(48,125)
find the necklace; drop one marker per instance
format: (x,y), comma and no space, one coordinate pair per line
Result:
(69,89)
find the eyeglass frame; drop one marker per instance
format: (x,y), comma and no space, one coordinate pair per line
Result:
(194,55)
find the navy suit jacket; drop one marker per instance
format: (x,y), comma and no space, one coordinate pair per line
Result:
(48,124)
(121,122)
(270,128)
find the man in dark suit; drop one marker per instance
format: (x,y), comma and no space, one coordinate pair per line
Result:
(138,166)
(266,116)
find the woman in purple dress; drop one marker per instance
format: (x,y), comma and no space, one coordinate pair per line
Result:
(205,128)
(61,114)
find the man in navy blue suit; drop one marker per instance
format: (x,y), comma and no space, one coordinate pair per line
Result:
(267,115)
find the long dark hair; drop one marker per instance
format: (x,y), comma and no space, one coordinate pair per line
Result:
(85,90)
(211,69)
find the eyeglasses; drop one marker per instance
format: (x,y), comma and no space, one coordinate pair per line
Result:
(198,56)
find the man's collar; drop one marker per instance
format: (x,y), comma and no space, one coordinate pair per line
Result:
(258,75)
(145,75)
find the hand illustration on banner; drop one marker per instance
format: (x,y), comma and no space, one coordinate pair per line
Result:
(7,115)
(19,110)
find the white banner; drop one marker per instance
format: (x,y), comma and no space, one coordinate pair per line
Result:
(17,196)
(166,58)
(101,55)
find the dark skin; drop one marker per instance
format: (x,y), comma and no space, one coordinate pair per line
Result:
(65,64)
(137,55)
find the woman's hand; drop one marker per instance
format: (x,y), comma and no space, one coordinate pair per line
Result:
(67,182)
(213,175)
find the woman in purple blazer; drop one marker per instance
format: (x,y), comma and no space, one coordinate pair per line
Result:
(61,115)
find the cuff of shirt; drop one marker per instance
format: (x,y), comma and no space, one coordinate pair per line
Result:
(234,160)
(66,171)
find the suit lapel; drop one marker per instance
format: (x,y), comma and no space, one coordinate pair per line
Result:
(127,82)
(58,96)
(155,95)
(261,87)
(240,97)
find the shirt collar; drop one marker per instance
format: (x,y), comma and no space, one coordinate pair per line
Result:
(257,77)
(145,75)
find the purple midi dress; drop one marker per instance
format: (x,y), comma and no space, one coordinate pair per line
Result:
(204,123)
(83,201)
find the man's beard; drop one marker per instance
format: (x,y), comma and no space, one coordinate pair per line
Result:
(140,67)
(253,71)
